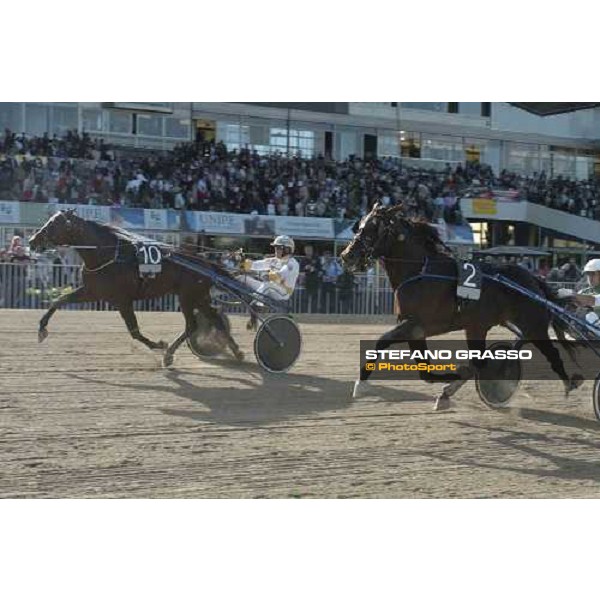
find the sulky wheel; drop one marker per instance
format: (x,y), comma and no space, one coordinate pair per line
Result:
(206,340)
(596,397)
(277,344)
(499,380)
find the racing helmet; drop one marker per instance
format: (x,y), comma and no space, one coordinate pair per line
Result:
(592,266)
(284,240)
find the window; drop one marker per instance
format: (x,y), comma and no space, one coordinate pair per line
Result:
(150,125)
(91,119)
(64,118)
(522,158)
(177,128)
(347,143)
(234,136)
(471,109)
(434,106)
(486,109)
(120,122)
(410,144)
(388,145)
(301,143)
(36,119)
(442,148)
(563,161)
(453,107)
(11,116)
(475,150)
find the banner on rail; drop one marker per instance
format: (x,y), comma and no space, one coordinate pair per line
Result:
(10,212)
(90,212)
(214,222)
(305,227)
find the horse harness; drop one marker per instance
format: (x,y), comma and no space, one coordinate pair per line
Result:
(148,257)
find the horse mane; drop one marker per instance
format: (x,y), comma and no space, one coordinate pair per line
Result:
(423,232)
(132,239)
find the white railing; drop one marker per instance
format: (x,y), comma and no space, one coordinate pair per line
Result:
(37,285)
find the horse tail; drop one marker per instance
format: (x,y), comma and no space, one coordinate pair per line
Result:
(559,326)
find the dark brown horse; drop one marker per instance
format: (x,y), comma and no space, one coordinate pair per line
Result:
(424,276)
(111,273)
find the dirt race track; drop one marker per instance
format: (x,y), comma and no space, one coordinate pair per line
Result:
(90,413)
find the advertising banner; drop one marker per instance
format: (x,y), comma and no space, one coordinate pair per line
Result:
(215,222)
(85,211)
(155,219)
(127,218)
(10,212)
(305,227)
(343,229)
(484,206)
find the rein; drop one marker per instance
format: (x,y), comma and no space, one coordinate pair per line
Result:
(424,275)
(103,266)
(112,261)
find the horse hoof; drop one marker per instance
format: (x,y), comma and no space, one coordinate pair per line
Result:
(167,360)
(442,403)
(239,355)
(575,382)
(250,326)
(42,335)
(162,345)
(361,388)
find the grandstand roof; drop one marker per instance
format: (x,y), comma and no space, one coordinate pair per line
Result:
(544,109)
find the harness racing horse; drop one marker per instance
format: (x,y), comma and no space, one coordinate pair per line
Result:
(424,276)
(111,273)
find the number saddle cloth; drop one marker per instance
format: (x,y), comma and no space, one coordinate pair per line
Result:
(149,259)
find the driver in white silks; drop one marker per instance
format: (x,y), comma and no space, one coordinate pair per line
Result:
(278,274)
(590,296)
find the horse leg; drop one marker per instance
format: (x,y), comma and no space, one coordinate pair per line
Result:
(251,325)
(130,319)
(188,305)
(74,297)
(475,341)
(409,331)
(546,346)
(215,317)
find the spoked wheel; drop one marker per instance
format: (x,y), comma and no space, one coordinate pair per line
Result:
(277,344)
(207,341)
(499,380)
(596,397)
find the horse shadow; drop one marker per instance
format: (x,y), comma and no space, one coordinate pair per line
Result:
(248,396)
(560,466)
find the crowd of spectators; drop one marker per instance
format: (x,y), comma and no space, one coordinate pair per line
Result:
(76,168)
(579,197)
(71,145)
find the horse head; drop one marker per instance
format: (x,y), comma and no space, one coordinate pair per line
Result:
(58,230)
(386,232)
(373,236)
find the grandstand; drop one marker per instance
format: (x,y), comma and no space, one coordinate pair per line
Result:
(516,177)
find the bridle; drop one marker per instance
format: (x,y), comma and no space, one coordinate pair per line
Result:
(373,246)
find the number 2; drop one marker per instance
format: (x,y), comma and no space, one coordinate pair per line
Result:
(467,282)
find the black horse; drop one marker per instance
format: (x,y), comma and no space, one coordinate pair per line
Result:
(111,273)
(424,276)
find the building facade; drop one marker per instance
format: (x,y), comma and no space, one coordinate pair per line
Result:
(428,134)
